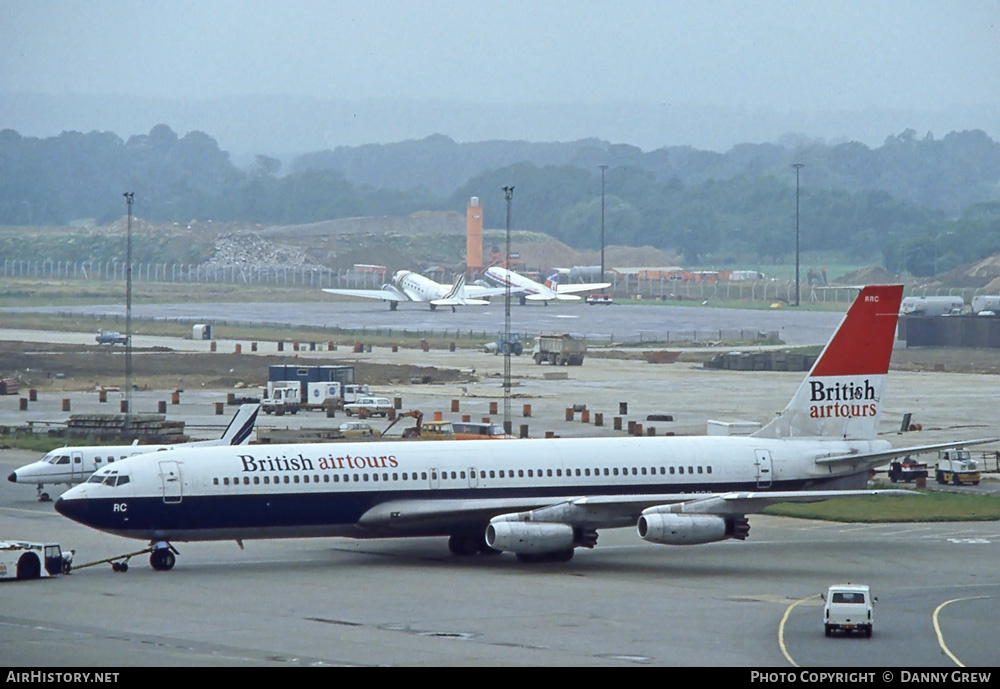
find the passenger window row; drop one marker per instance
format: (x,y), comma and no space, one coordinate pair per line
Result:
(267,479)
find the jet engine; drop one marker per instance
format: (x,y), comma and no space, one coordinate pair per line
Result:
(690,529)
(529,537)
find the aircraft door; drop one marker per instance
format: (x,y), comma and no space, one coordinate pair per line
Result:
(435,478)
(170,477)
(763,465)
(76,466)
(473,478)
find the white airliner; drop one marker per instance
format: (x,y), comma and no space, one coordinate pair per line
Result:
(409,286)
(75,464)
(540,498)
(529,290)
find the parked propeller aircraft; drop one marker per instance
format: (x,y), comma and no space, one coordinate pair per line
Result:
(409,286)
(527,289)
(75,464)
(540,499)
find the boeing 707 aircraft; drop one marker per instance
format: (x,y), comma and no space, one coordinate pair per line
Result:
(540,499)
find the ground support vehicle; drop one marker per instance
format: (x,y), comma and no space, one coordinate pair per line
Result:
(356,429)
(559,350)
(111,337)
(281,399)
(473,430)
(24,560)
(957,467)
(907,469)
(604,299)
(848,608)
(437,429)
(369,406)
(511,345)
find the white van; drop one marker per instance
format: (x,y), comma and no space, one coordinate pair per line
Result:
(848,607)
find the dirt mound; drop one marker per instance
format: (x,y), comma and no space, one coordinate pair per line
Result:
(62,367)
(554,254)
(419,222)
(984,273)
(874,275)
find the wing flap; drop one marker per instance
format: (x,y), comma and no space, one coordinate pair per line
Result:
(735,503)
(402,517)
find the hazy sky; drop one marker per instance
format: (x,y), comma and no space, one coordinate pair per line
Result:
(802,55)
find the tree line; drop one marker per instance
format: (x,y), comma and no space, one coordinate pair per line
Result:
(917,204)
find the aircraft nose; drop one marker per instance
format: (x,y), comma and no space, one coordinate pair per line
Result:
(60,506)
(13,477)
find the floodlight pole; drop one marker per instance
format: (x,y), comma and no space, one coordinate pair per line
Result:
(128,313)
(603,168)
(508,193)
(797,166)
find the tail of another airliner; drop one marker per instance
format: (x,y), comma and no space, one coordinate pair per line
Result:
(842,395)
(239,429)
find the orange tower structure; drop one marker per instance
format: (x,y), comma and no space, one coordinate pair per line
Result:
(473,236)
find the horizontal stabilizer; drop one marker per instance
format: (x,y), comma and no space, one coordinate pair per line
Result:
(582,287)
(876,458)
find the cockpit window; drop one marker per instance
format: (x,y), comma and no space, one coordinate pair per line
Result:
(63,459)
(110,479)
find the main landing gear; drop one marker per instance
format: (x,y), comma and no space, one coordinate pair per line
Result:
(465,544)
(162,556)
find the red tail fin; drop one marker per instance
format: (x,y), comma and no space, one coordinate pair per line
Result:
(842,395)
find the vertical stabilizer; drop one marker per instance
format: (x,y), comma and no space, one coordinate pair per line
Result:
(842,395)
(239,429)
(457,290)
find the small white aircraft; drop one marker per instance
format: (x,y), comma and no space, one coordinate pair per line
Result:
(529,290)
(75,464)
(539,499)
(409,286)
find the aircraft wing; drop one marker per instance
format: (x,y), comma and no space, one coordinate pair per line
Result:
(383,294)
(875,458)
(458,301)
(478,292)
(550,296)
(401,516)
(597,511)
(581,287)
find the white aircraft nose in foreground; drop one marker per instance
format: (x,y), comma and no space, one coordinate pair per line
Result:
(74,464)
(409,286)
